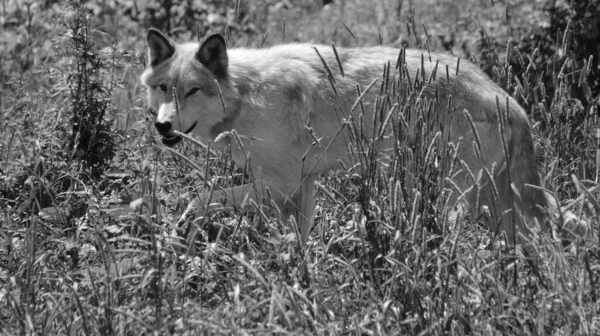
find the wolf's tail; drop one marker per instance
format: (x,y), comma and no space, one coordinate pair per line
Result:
(524,174)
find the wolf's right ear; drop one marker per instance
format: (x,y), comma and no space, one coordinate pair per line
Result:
(213,55)
(159,47)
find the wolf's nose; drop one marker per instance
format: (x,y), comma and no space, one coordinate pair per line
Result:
(163,127)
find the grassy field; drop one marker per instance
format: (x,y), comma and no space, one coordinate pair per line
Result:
(89,195)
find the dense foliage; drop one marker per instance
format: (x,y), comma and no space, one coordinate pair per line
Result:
(89,197)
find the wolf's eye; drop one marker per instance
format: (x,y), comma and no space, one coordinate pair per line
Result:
(192,91)
(162,87)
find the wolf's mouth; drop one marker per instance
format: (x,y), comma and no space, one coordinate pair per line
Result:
(191,128)
(172,140)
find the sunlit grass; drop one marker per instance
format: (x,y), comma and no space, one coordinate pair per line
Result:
(87,255)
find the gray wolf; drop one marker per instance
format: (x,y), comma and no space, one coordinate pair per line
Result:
(271,97)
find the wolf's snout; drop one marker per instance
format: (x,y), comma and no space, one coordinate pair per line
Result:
(163,127)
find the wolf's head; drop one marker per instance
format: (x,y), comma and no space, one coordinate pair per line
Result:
(184,82)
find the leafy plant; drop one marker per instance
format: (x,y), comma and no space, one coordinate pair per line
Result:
(87,207)
(90,140)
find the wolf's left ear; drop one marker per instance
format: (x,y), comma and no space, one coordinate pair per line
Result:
(213,55)
(159,47)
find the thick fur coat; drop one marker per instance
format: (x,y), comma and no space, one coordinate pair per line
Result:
(272,96)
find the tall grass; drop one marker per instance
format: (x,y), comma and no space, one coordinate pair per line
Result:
(385,256)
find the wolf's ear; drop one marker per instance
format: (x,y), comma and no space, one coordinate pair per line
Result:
(159,47)
(213,55)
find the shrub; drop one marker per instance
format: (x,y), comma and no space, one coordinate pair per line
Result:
(90,141)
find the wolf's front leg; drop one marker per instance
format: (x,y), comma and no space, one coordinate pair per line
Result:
(234,198)
(226,199)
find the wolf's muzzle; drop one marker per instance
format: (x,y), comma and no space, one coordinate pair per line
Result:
(163,127)
(168,139)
